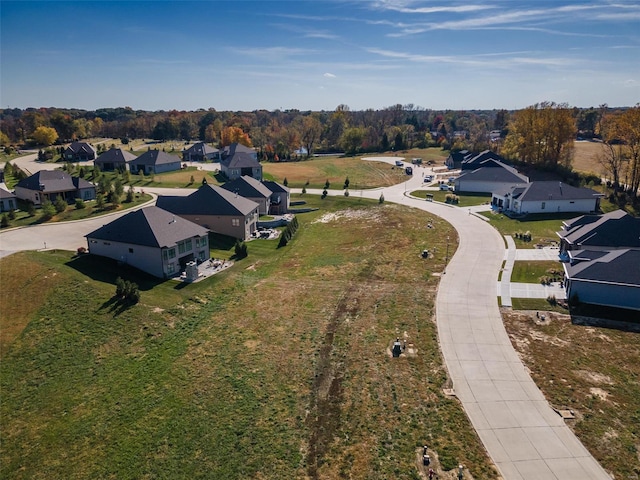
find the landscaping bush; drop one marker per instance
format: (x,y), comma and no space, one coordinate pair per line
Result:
(324,194)
(12,214)
(80,204)
(381,199)
(48,210)
(240,249)
(60,204)
(346,193)
(126,291)
(4,223)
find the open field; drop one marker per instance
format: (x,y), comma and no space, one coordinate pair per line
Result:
(585,158)
(592,371)
(277,368)
(362,174)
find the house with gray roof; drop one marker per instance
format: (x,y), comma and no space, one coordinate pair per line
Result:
(476,161)
(114,159)
(238,160)
(199,152)
(152,240)
(280,199)
(249,187)
(216,209)
(79,152)
(546,197)
(49,184)
(495,176)
(155,161)
(454,160)
(610,231)
(8,201)
(608,278)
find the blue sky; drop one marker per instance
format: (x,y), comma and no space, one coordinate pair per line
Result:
(315,54)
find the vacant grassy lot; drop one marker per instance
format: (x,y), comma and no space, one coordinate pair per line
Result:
(543,227)
(361,173)
(592,371)
(277,368)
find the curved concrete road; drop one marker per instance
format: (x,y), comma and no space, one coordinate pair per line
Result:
(525,438)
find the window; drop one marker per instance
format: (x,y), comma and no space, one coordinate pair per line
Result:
(235,222)
(181,247)
(86,195)
(171,252)
(203,241)
(187,245)
(201,256)
(171,268)
(542,208)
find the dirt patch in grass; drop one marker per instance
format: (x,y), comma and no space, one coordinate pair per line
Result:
(592,371)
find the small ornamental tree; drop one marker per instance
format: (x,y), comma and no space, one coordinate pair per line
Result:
(80,204)
(240,249)
(327,184)
(4,223)
(346,193)
(381,199)
(31,209)
(48,210)
(285,182)
(130,195)
(304,190)
(324,194)
(60,204)
(12,214)
(100,201)
(346,183)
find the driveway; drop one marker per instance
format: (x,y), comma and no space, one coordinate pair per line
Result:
(526,439)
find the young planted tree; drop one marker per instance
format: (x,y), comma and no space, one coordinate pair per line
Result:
(60,204)
(48,210)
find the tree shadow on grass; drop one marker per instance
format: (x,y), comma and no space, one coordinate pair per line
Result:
(115,306)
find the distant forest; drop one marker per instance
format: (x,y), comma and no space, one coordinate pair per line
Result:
(279,134)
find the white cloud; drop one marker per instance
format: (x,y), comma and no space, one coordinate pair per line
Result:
(329,75)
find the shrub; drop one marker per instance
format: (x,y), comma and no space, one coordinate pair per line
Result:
(130,195)
(60,204)
(126,291)
(304,190)
(12,214)
(48,210)
(346,193)
(552,300)
(285,182)
(381,199)
(80,204)
(82,250)
(31,209)
(240,249)
(324,194)
(346,183)
(4,223)
(100,201)
(327,184)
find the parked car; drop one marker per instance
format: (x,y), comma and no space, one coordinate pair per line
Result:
(445,187)
(408,171)
(399,163)
(428,178)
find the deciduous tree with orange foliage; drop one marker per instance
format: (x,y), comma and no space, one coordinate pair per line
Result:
(234,135)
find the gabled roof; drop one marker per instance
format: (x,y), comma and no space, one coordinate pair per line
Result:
(275,187)
(201,148)
(47,181)
(613,230)
(505,174)
(612,267)
(474,162)
(79,147)
(5,194)
(115,155)
(208,200)
(247,187)
(236,148)
(151,227)
(155,157)
(541,191)
(514,191)
(240,160)
(586,219)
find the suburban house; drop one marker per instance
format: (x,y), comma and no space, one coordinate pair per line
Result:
(216,209)
(114,159)
(493,177)
(610,231)
(249,187)
(199,152)
(152,240)
(238,160)
(600,277)
(454,160)
(79,152)
(546,197)
(155,161)
(49,184)
(280,198)
(8,201)
(602,259)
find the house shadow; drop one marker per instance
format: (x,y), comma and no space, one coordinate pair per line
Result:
(106,270)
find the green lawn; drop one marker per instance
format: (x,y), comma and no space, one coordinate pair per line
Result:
(464,199)
(543,227)
(532,271)
(538,304)
(275,368)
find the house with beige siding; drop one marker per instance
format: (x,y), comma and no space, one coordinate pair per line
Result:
(216,209)
(153,240)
